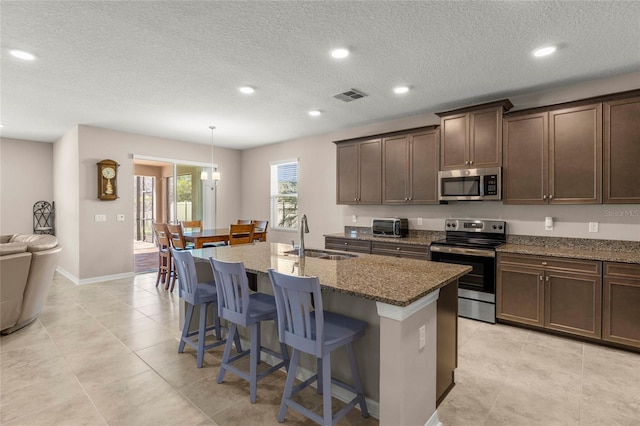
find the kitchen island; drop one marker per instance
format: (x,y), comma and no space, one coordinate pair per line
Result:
(398,357)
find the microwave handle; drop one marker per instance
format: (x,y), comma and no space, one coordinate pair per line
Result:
(482,185)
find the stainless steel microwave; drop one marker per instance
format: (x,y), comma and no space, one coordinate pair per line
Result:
(470,184)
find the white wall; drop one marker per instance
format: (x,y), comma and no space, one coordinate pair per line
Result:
(317,182)
(26,170)
(65,191)
(106,248)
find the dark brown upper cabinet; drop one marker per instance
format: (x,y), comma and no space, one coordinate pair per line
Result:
(472,136)
(410,167)
(622,151)
(554,157)
(359,172)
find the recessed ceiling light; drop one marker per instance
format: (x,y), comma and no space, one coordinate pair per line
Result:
(340,53)
(315,113)
(21,54)
(401,89)
(247,90)
(544,51)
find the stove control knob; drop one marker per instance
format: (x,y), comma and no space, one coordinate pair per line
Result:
(500,227)
(495,227)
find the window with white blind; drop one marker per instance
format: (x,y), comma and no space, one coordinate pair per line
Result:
(284,195)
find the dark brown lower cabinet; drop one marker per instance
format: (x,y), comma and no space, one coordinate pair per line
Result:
(572,303)
(347,244)
(414,251)
(621,304)
(553,293)
(520,294)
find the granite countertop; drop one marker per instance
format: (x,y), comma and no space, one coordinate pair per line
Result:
(392,280)
(573,253)
(422,238)
(574,248)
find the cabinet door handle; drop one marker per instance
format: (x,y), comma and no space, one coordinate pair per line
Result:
(551,197)
(466,163)
(546,278)
(409,198)
(470,162)
(540,277)
(544,263)
(355,199)
(406,199)
(544,197)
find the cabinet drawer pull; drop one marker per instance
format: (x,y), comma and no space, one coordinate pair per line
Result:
(346,244)
(544,263)
(398,248)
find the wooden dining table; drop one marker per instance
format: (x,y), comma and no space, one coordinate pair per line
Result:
(218,235)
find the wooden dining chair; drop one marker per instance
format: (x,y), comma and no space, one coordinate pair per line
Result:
(177,238)
(261,226)
(165,264)
(240,234)
(192,225)
(244,222)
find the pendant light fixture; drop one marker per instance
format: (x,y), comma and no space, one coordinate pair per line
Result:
(215,175)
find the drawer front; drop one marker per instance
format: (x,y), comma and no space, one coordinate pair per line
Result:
(400,250)
(628,270)
(592,267)
(346,244)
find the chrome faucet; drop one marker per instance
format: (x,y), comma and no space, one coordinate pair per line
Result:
(304,229)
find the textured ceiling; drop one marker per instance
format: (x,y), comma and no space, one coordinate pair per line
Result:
(172,68)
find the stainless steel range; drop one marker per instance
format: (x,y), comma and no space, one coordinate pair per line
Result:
(473,242)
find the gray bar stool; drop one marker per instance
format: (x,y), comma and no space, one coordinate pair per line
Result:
(242,308)
(318,333)
(195,293)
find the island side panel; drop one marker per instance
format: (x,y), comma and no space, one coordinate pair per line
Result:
(447,339)
(408,373)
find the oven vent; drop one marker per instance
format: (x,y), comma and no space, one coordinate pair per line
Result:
(350,95)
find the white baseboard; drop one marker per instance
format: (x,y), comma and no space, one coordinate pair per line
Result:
(433,420)
(92,280)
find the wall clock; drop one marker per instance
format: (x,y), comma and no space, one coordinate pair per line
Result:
(108,180)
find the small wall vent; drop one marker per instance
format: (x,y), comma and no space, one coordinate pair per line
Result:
(350,95)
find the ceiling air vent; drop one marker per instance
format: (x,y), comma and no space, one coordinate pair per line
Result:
(350,95)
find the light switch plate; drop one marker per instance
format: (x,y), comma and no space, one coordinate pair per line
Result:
(593,226)
(354,219)
(120,218)
(419,221)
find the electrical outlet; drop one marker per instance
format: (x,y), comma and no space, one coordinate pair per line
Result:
(593,226)
(423,337)
(419,221)
(120,218)
(100,218)
(548,223)
(354,219)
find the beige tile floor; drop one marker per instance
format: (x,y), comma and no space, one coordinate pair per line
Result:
(107,354)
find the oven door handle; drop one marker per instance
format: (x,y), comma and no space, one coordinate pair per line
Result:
(460,250)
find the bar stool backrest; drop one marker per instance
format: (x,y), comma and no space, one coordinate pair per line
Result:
(233,291)
(188,280)
(299,325)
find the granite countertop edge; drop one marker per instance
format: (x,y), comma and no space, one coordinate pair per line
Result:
(572,253)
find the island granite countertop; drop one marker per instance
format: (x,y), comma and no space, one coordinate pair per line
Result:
(392,280)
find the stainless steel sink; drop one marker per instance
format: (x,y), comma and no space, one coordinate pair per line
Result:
(323,254)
